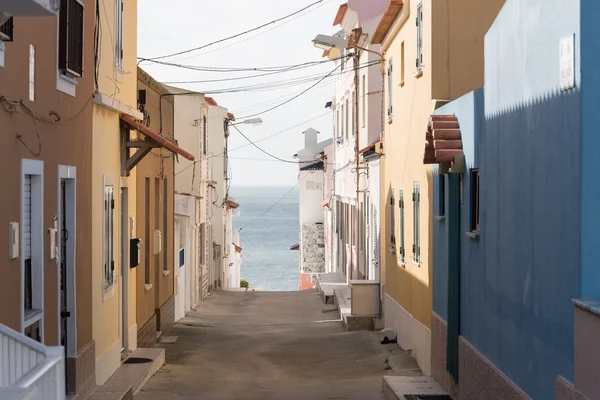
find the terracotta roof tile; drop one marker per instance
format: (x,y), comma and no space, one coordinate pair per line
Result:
(230,116)
(387,20)
(443,139)
(211,101)
(340,14)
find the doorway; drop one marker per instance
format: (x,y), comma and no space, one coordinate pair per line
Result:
(65,258)
(124,275)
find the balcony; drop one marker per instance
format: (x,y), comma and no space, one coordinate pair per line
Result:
(29,8)
(30,370)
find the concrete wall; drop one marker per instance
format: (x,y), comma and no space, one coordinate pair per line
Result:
(518,278)
(312,249)
(311,196)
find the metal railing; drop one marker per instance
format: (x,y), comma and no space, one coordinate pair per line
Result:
(28,369)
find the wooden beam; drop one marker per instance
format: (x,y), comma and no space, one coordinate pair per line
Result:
(141,144)
(136,158)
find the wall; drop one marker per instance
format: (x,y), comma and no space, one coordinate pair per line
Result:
(312,248)
(188,133)
(518,278)
(311,196)
(68,143)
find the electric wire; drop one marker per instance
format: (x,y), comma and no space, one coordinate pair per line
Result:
(233,36)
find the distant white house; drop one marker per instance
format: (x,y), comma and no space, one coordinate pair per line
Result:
(311,180)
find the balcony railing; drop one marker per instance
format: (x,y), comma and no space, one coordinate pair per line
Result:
(28,369)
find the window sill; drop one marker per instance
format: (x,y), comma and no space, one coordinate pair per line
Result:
(108,292)
(472,235)
(440,218)
(401,84)
(31,316)
(70,79)
(147,287)
(418,74)
(417,263)
(165,272)
(402,264)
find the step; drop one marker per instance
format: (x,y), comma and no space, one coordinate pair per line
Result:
(410,387)
(131,376)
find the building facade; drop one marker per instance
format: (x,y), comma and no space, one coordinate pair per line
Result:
(433,53)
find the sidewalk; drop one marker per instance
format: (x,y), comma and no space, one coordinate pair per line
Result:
(273,345)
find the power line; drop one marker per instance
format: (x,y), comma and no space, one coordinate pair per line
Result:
(282,68)
(264,151)
(236,35)
(273,206)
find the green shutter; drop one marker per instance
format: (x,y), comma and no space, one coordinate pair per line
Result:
(453,275)
(402,252)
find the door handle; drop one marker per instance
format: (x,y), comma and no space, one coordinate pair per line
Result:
(65,314)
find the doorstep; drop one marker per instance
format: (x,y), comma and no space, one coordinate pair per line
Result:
(131,376)
(412,387)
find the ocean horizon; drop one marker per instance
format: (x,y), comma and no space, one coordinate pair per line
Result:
(266,240)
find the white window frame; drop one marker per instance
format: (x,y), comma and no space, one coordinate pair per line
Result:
(31,72)
(65,83)
(364,100)
(2,53)
(34,168)
(108,238)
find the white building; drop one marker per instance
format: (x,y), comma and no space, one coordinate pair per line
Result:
(232,240)
(311,193)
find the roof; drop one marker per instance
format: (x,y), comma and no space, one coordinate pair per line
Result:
(230,204)
(238,249)
(443,139)
(318,166)
(387,20)
(340,14)
(211,101)
(230,117)
(295,247)
(161,140)
(370,147)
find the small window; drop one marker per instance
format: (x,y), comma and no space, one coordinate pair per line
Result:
(119,33)
(109,235)
(419,37)
(402,246)
(6,30)
(393,220)
(475,200)
(31,72)
(390,77)
(147,232)
(353,116)
(402,63)
(204,135)
(364,101)
(416,222)
(70,46)
(441,195)
(338,127)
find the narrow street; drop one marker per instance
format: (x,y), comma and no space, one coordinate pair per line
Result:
(272,345)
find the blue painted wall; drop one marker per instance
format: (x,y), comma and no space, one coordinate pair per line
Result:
(518,278)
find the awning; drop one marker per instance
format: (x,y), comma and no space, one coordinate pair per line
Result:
(238,249)
(161,140)
(318,166)
(295,247)
(443,140)
(387,21)
(230,204)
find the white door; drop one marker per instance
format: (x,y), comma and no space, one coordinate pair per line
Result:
(179,270)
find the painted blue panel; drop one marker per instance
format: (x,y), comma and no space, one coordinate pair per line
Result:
(590,142)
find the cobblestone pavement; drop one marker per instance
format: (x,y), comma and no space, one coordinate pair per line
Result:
(272,345)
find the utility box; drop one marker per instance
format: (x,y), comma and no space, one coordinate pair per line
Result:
(135,252)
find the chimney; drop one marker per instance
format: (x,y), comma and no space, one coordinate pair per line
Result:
(310,137)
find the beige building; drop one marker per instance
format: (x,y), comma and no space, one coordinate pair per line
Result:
(434,54)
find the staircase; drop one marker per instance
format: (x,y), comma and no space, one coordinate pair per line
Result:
(28,369)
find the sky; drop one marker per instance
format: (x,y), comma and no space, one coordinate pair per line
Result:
(177,25)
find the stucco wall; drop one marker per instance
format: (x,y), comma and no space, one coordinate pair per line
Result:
(312,248)
(518,278)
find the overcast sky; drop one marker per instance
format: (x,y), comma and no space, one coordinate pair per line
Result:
(166,27)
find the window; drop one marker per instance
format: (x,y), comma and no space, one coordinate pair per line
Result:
(6,30)
(204,135)
(401,63)
(119,33)
(338,127)
(416,222)
(475,200)
(32,248)
(344,134)
(364,100)
(402,247)
(202,244)
(441,195)
(393,222)
(70,46)
(147,233)
(31,72)
(165,243)
(420,37)
(390,87)
(109,232)
(353,115)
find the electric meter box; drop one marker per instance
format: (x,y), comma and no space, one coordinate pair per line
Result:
(135,252)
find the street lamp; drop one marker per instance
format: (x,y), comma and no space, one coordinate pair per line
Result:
(326,42)
(251,121)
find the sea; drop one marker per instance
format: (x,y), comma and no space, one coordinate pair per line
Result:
(269,222)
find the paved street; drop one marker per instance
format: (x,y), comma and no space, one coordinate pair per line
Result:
(272,345)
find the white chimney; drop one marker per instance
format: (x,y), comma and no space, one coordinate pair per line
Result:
(310,138)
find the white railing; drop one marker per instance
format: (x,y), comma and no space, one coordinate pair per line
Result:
(28,369)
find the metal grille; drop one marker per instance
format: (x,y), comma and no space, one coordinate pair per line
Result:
(6,30)
(71,37)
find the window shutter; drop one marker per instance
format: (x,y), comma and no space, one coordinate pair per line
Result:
(26,217)
(7,30)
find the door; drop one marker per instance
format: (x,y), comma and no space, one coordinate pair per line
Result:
(63,260)
(124,274)
(453,275)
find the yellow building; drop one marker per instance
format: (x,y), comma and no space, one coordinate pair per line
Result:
(113,195)
(434,53)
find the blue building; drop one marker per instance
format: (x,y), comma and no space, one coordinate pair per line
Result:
(517,200)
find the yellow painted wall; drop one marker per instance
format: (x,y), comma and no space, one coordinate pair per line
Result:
(453,34)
